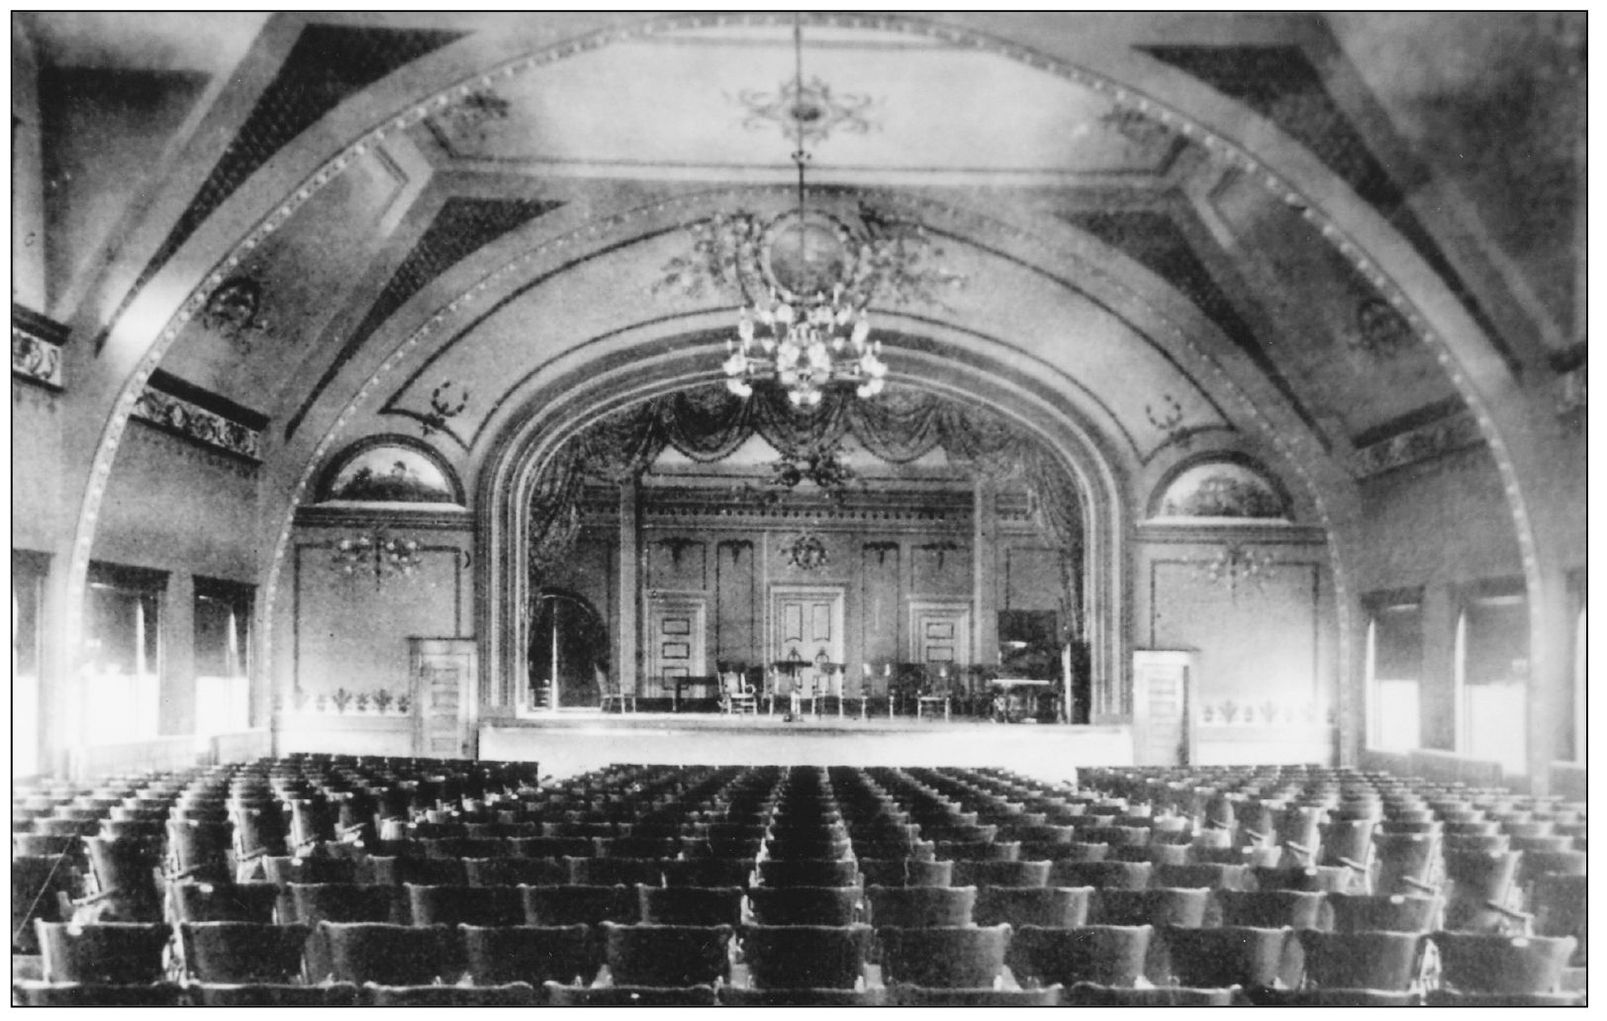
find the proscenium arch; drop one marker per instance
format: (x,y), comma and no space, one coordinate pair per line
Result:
(562,406)
(148,325)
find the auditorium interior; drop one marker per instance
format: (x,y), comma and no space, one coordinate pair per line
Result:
(1093,501)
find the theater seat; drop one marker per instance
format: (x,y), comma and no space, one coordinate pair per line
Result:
(666,955)
(1180,907)
(964,957)
(1354,912)
(920,906)
(342,994)
(1490,963)
(105,953)
(530,953)
(1361,960)
(1089,994)
(902,995)
(226,902)
(515,871)
(81,994)
(630,996)
(1103,954)
(805,956)
(579,905)
(1229,956)
(806,905)
(1001,873)
(464,905)
(244,952)
(1271,909)
(512,994)
(906,872)
(690,905)
(393,955)
(1061,907)
(731,996)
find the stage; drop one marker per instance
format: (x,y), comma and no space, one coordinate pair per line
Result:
(573,741)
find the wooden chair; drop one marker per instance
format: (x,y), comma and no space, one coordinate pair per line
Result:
(612,692)
(934,693)
(736,695)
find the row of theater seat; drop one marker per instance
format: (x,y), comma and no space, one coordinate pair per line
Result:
(800,838)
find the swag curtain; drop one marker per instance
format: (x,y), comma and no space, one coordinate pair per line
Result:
(708,424)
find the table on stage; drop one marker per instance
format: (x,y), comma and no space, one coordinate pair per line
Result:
(1016,698)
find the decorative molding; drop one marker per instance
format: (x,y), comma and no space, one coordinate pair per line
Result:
(461,227)
(36,348)
(416,517)
(187,411)
(1281,84)
(809,108)
(1571,392)
(233,311)
(1456,430)
(326,64)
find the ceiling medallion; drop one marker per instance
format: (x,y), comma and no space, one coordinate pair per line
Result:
(807,110)
(805,281)
(232,310)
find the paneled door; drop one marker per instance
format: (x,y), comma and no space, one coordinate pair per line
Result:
(940,634)
(675,626)
(806,621)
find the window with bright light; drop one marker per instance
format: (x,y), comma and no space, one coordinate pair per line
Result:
(1493,677)
(1394,669)
(120,677)
(28,573)
(222,648)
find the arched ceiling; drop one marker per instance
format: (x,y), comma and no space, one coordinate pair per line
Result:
(453,262)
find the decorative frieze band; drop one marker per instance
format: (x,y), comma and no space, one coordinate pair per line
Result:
(186,411)
(1422,442)
(36,343)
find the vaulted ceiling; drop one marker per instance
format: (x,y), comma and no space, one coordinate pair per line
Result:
(507,189)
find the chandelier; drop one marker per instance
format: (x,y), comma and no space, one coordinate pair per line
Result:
(807,327)
(1237,566)
(377,553)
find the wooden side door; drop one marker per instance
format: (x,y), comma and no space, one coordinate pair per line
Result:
(675,627)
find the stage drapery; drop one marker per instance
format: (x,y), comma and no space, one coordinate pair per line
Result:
(708,423)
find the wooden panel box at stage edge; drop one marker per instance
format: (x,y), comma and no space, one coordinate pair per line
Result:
(445,678)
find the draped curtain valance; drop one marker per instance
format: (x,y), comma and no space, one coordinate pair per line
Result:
(708,424)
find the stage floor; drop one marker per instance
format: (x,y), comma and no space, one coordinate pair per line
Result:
(574,741)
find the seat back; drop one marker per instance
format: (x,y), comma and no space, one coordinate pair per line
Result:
(1355,912)
(667,955)
(515,871)
(1059,907)
(708,872)
(906,872)
(579,905)
(244,952)
(107,953)
(1104,954)
(630,996)
(464,905)
(512,994)
(806,905)
(1271,909)
(225,902)
(920,906)
(805,956)
(347,902)
(809,872)
(392,955)
(530,953)
(1104,875)
(615,871)
(1361,960)
(342,994)
(1489,963)
(1001,873)
(1182,906)
(690,905)
(1227,956)
(954,957)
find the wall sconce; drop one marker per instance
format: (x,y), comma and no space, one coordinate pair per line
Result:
(378,553)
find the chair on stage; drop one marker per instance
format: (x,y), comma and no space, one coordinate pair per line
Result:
(935,692)
(612,692)
(737,695)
